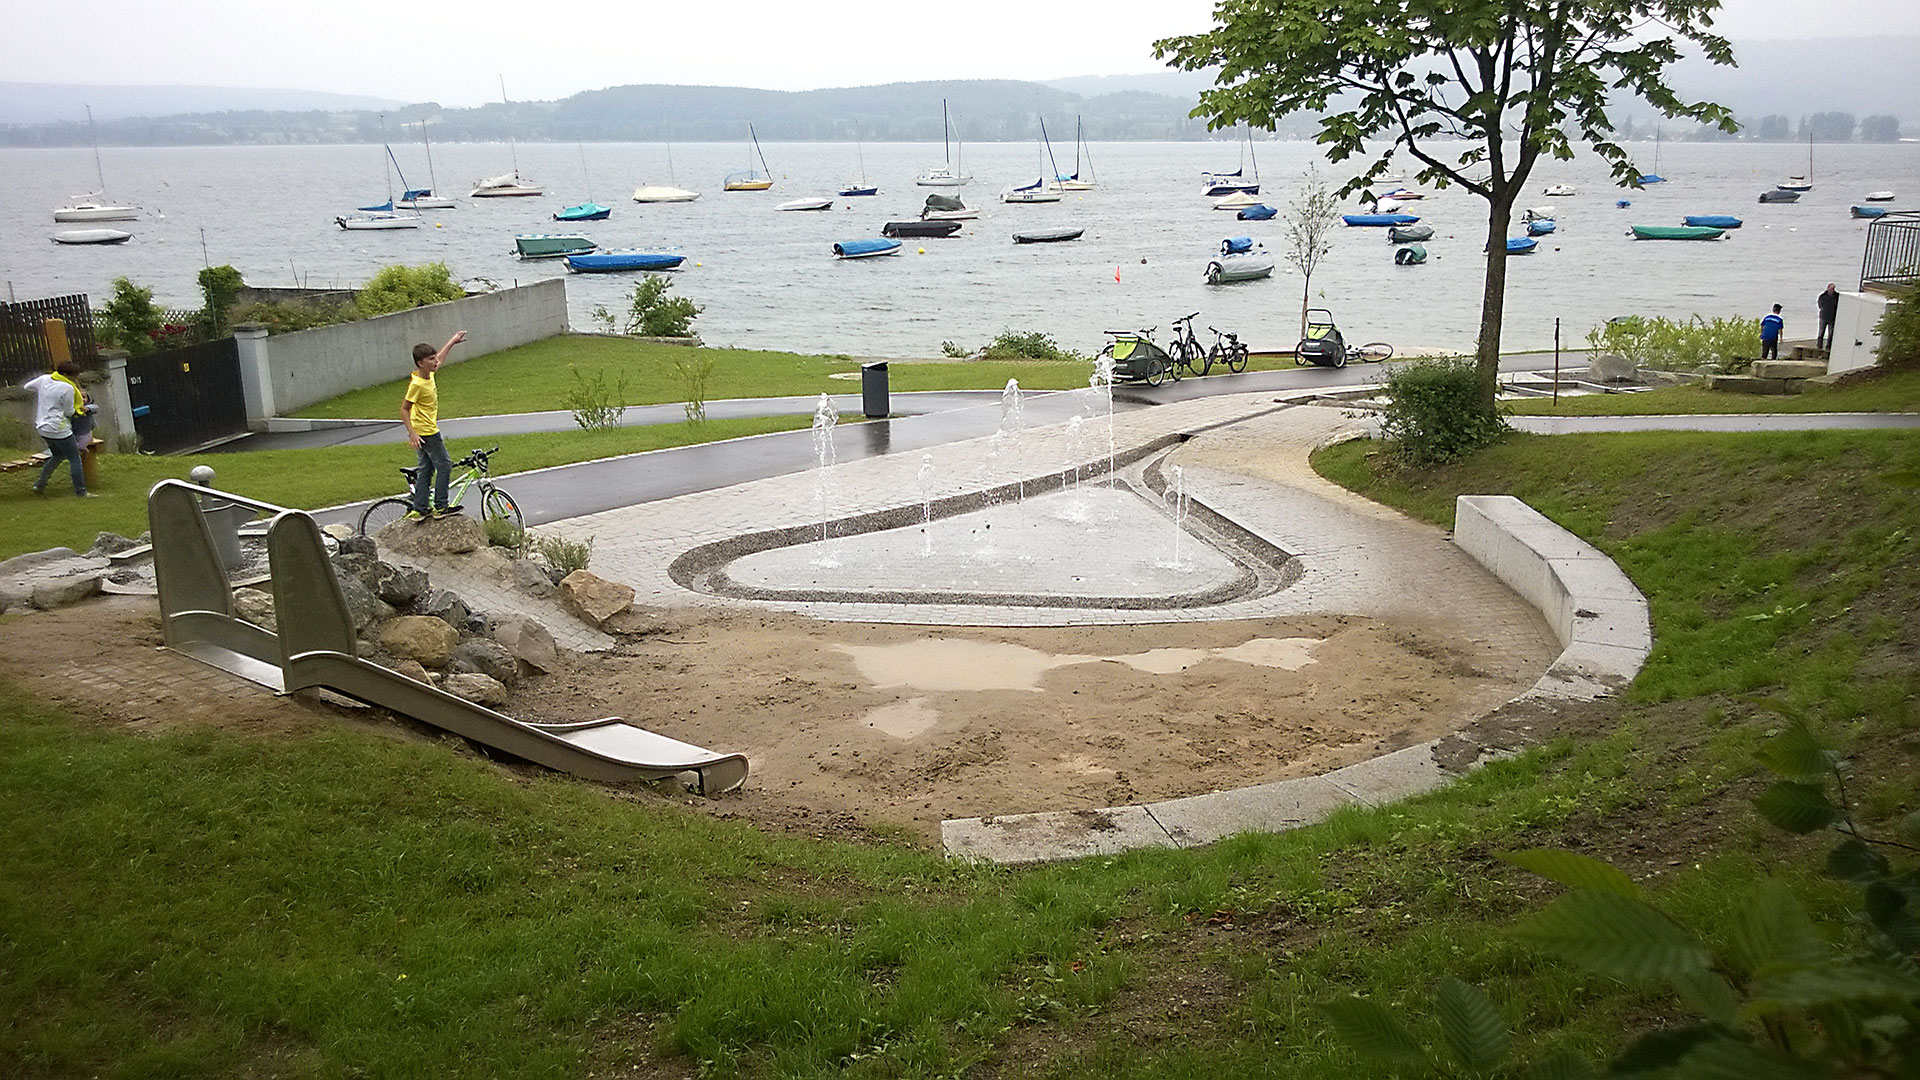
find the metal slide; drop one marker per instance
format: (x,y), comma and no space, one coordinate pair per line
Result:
(316,647)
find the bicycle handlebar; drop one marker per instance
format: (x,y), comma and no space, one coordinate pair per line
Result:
(1189,318)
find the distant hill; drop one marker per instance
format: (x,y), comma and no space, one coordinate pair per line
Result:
(46,103)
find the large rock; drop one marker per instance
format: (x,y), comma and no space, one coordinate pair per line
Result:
(423,638)
(363,608)
(1608,367)
(455,535)
(594,598)
(397,585)
(411,669)
(446,605)
(487,657)
(255,607)
(53,592)
(355,544)
(477,688)
(529,642)
(1788,369)
(532,577)
(111,543)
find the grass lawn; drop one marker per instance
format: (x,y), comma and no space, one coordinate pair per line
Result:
(306,479)
(537,377)
(341,903)
(1891,391)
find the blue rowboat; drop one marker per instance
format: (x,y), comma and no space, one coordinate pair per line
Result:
(1869,211)
(1521,245)
(1540,227)
(623,259)
(865,249)
(587,211)
(1260,212)
(1712,221)
(1379,220)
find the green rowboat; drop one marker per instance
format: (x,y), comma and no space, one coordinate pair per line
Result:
(1676,232)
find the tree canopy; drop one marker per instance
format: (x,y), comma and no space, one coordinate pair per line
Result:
(1474,91)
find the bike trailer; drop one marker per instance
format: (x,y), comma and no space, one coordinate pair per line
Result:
(1323,346)
(1135,358)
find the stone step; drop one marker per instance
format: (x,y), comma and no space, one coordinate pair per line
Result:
(1752,384)
(1789,369)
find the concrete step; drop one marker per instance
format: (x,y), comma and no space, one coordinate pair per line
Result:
(1752,384)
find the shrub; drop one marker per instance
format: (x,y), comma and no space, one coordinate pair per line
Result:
(1693,345)
(399,288)
(693,368)
(219,287)
(287,317)
(130,319)
(1435,413)
(502,532)
(652,313)
(595,405)
(1012,345)
(952,351)
(1899,331)
(564,554)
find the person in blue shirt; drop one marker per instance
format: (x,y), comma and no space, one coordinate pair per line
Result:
(1770,328)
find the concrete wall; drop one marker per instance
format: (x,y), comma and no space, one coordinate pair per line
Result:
(313,365)
(1854,341)
(1600,618)
(108,389)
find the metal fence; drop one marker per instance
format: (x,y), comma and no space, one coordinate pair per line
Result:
(23,335)
(1892,259)
(186,398)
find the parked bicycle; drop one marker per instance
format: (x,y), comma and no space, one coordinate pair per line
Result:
(1227,349)
(1186,346)
(495,503)
(1325,346)
(1136,358)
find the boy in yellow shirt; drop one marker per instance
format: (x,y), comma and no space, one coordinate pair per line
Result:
(420,412)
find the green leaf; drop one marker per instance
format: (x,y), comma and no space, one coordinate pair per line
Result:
(1853,860)
(1573,870)
(1734,1059)
(1470,1024)
(1562,1065)
(1810,988)
(1796,807)
(1614,935)
(1795,751)
(1370,1029)
(1887,907)
(1709,995)
(1772,931)
(1910,827)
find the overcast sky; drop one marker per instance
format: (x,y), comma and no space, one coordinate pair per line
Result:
(454,51)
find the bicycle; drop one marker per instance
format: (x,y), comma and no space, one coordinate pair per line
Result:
(1186,347)
(495,503)
(1135,357)
(1325,346)
(1227,349)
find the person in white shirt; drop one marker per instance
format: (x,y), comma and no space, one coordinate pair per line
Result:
(56,401)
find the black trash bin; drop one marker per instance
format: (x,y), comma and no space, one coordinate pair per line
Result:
(873,390)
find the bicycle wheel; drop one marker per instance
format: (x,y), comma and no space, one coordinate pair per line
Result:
(1157,374)
(1199,360)
(1237,360)
(1376,350)
(497,505)
(381,514)
(1176,360)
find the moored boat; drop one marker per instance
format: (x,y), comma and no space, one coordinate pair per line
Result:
(1779,195)
(1408,234)
(1870,211)
(865,249)
(953,173)
(1561,190)
(587,211)
(1240,259)
(1879,196)
(920,228)
(1676,232)
(1541,227)
(806,204)
(662,193)
(1257,212)
(1521,245)
(505,186)
(95,206)
(91,236)
(750,179)
(616,260)
(1712,221)
(1239,200)
(551,245)
(1536,213)
(1411,255)
(1379,220)
(947,208)
(1036,192)
(1047,236)
(377,220)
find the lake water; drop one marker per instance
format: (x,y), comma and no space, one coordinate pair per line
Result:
(767,279)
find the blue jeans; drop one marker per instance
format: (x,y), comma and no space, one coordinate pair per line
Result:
(69,448)
(436,468)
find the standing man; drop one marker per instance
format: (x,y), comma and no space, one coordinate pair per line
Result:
(1770,328)
(420,412)
(56,401)
(1829,304)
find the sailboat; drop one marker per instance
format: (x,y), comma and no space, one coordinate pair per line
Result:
(952,174)
(506,184)
(586,211)
(664,193)
(749,179)
(1654,177)
(1076,182)
(424,198)
(95,206)
(861,188)
(383,216)
(1235,182)
(1803,182)
(1040,191)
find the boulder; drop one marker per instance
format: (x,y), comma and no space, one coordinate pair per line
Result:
(356,564)
(454,535)
(532,578)
(594,598)
(20,564)
(478,624)
(477,688)
(397,585)
(255,607)
(1607,367)
(487,657)
(355,544)
(529,642)
(411,669)
(420,637)
(53,592)
(446,605)
(1788,369)
(111,543)
(363,607)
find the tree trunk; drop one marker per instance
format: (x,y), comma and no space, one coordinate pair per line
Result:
(1493,301)
(1306,291)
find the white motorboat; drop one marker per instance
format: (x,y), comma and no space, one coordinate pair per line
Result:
(806,204)
(951,174)
(1562,190)
(1879,196)
(947,208)
(661,193)
(1386,205)
(91,236)
(1538,213)
(95,206)
(1239,200)
(377,219)
(1241,258)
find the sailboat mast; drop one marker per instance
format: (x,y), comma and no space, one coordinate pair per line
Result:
(432,181)
(1049,144)
(764,171)
(99,172)
(946,135)
(861,154)
(1076,148)
(507,108)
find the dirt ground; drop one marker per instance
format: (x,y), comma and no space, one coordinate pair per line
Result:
(856,728)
